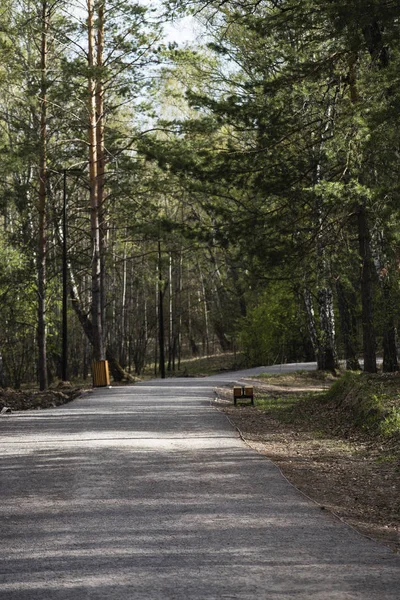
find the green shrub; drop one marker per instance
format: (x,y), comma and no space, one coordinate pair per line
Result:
(273,330)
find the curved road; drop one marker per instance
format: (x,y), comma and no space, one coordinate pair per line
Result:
(147,492)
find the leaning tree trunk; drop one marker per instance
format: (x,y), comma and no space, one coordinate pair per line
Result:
(118,373)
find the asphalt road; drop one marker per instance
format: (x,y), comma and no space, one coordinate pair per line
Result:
(147,492)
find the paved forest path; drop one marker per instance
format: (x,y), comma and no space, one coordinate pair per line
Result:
(147,492)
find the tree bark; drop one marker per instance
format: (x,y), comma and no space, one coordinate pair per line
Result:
(311,323)
(161,328)
(390,360)
(124,336)
(3,376)
(118,373)
(97,314)
(366,280)
(100,150)
(347,328)
(42,206)
(327,355)
(171,328)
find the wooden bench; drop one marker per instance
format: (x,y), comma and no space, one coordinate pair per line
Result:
(243,391)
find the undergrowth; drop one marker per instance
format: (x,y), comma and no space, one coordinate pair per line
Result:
(355,404)
(371,401)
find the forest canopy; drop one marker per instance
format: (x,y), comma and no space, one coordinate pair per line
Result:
(235,193)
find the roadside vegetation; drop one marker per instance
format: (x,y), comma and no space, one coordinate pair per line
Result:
(161,201)
(337,439)
(356,403)
(203,366)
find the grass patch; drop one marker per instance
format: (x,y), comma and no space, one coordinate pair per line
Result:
(302,377)
(283,407)
(356,404)
(372,402)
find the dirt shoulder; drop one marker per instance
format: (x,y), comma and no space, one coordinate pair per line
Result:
(16,400)
(355,477)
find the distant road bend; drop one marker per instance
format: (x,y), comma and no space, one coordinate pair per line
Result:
(146,492)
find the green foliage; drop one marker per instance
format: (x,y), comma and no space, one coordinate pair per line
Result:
(17,315)
(268,140)
(391,422)
(372,402)
(273,331)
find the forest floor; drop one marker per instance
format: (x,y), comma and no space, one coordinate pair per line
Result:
(31,399)
(341,466)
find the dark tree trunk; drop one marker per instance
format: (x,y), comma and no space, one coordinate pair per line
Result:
(118,373)
(100,155)
(311,324)
(161,328)
(95,209)
(42,207)
(366,280)
(224,342)
(348,329)
(327,356)
(390,362)
(3,376)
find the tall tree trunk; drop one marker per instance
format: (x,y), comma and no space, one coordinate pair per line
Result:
(161,328)
(388,304)
(192,342)
(101,158)
(97,320)
(366,281)
(217,297)
(123,341)
(347,328)
(157,323)
(390,360)
(118,373)
(170,317)
(238,286)
(3,376)
(42,249)
(327,354)
(311,323)
(203,296)
(179,322)
(364,236)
